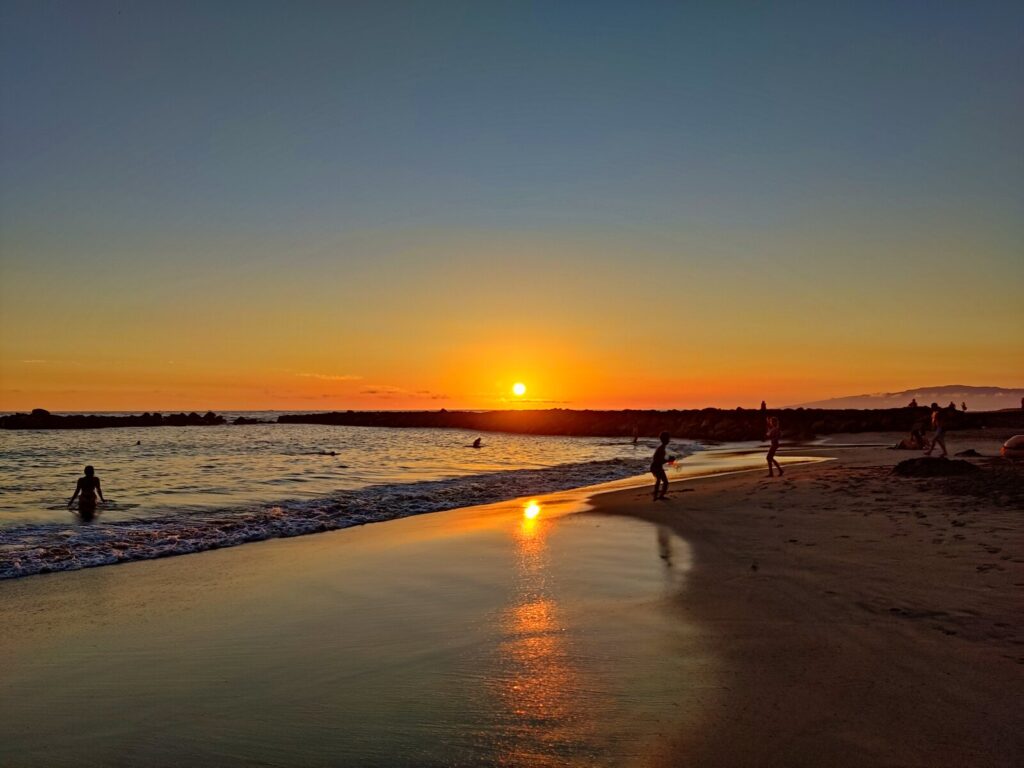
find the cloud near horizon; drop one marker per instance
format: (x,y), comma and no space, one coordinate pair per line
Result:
(386,391)
(331,377)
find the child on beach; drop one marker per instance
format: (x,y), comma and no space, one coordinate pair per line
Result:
(85,491)
(658,467)
(774,435)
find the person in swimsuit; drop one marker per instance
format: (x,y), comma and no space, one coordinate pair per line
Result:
(86,491)
(939,425)
(658,467)
(774,435)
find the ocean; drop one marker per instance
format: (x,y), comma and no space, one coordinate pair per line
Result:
(175,490)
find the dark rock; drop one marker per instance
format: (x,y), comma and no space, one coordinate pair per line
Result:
(927,466)
(82,421)
(39,413)
(970,452)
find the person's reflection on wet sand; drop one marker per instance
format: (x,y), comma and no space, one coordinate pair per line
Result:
(665,545)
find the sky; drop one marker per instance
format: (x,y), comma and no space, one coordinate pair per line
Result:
(392,205)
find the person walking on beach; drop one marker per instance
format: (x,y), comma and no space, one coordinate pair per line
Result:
(658,467)
(939,425)
(773,437)
(85,491)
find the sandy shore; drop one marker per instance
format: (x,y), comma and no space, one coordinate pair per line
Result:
(857,618)
(839,616)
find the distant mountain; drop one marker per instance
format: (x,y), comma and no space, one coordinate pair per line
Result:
(977,398)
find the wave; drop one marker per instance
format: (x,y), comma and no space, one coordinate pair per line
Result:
(46,547)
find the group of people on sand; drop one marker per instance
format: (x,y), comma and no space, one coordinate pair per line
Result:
(773,435)
(919,442)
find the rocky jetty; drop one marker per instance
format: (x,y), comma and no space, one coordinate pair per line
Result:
(42,419)
(706,424)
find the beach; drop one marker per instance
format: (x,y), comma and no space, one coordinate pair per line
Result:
(857,618)
(836,616)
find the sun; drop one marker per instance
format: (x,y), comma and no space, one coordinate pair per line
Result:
(519,389)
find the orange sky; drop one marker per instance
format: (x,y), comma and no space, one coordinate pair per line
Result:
(453,321)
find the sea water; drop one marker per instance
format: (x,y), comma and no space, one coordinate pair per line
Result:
(174,490)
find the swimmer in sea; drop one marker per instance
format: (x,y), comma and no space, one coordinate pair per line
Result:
(86,491)
(477,443)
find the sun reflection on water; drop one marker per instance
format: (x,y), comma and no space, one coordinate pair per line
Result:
(542,719)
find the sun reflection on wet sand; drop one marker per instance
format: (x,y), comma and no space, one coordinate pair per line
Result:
(544,722)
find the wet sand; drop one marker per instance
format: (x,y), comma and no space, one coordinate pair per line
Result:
(839,616)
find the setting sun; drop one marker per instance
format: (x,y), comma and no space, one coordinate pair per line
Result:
(531,510)
(519,389)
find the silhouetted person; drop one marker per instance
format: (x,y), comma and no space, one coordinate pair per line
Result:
(913,403)
(477,443)
(658,467)
(963,407)
(764,406)
(939,425)
(773,437)
(86,491)
(636,435)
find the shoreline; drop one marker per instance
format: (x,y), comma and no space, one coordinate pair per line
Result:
(43,548)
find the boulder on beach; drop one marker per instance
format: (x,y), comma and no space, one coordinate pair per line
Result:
(1013,448)
(928,466)
(969,453)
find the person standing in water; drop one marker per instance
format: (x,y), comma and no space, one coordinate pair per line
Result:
(86,491)
(658,467)
(773,437)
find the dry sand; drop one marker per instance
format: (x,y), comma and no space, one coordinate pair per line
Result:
(860,619)
(837,616)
